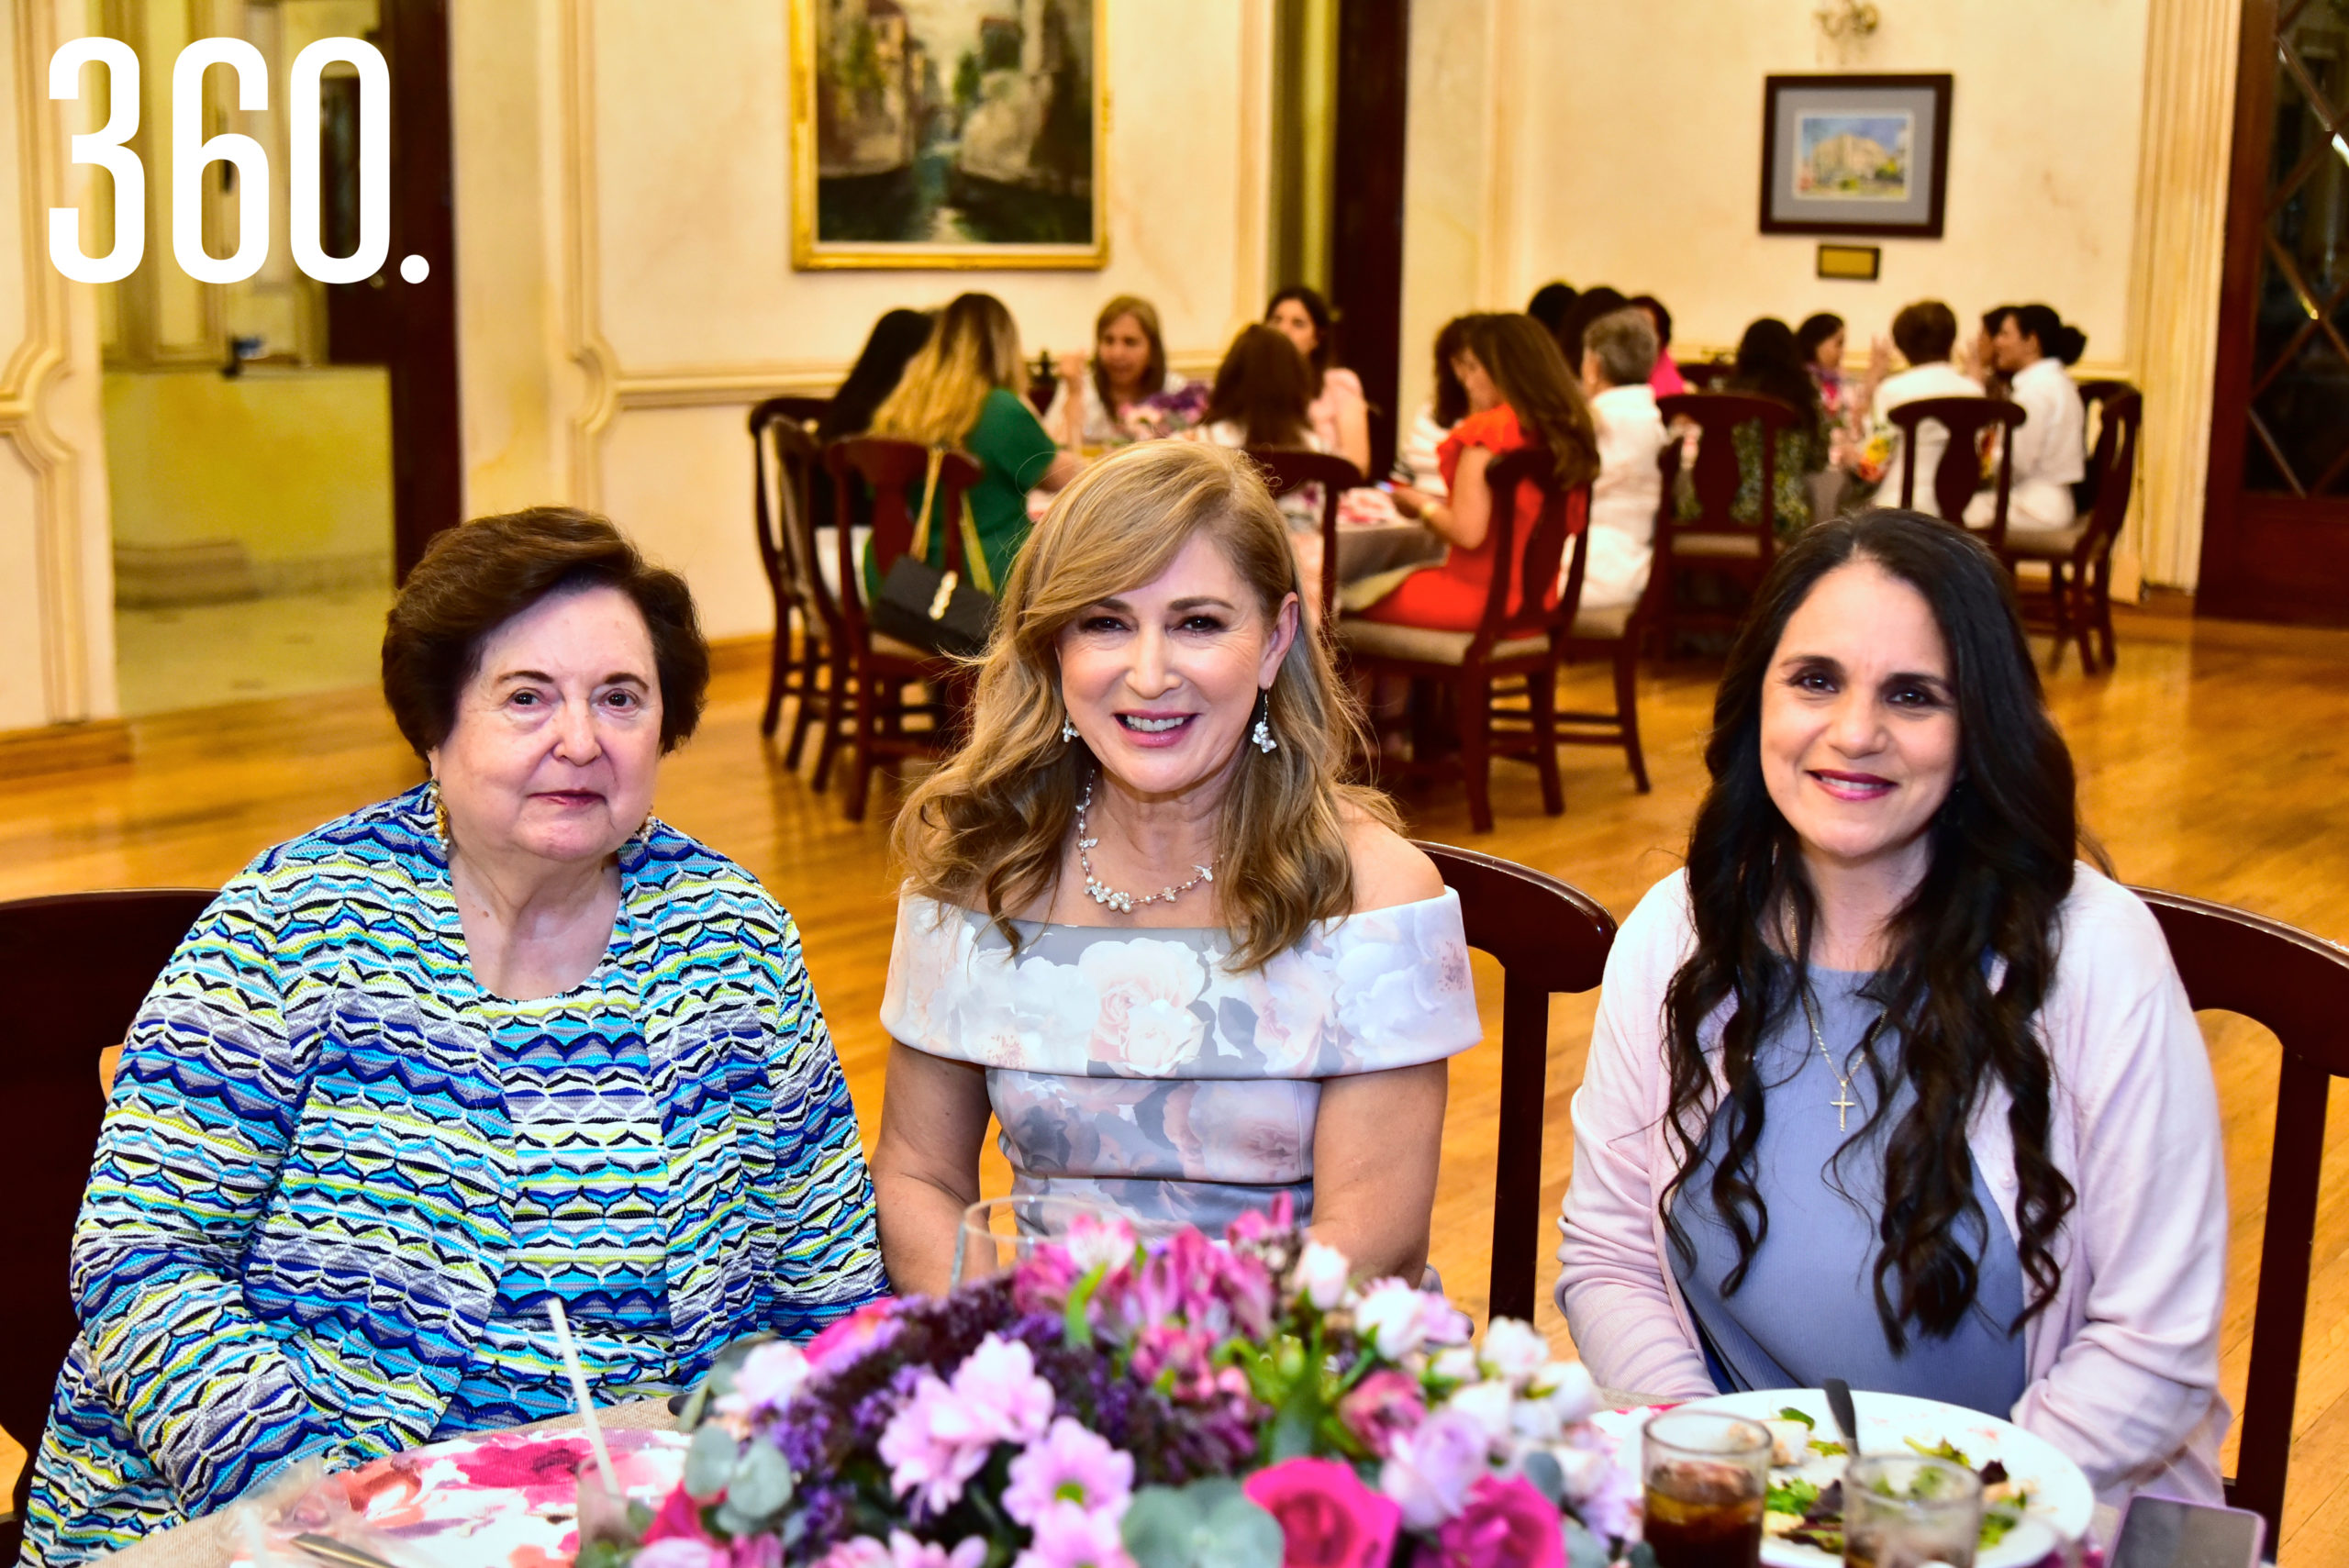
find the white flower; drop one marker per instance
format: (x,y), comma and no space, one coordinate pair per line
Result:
(1457,1364)
(1489,1404)
(770,1377)
(1096,1243)
(1392,1317)
(1569,1390)
(1322,1275)
(1146,989)
(1513,1350)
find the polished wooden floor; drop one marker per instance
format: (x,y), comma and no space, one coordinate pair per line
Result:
(2211,762)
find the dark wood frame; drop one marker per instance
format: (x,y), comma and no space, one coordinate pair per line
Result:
(1939,82)
(2281,557)
(428,434)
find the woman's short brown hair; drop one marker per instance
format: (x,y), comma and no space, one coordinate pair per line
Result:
(474,579)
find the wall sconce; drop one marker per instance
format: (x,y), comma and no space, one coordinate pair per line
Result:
(1846,22)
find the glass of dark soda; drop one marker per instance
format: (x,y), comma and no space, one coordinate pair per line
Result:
(1706,1476)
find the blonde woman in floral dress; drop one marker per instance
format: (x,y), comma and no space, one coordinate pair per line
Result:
(1144,923)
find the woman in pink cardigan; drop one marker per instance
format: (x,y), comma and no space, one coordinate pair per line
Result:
(1887,1084)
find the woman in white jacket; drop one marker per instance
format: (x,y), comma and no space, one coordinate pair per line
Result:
(2034,346)
(1885,1085)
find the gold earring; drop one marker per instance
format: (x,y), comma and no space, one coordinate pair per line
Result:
(440,812)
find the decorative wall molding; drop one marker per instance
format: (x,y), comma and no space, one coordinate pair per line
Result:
(2179,254)
(33,370)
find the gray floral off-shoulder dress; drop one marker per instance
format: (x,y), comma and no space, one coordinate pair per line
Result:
(1138,1069)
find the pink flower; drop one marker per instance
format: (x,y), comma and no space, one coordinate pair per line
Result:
(1505,1524)
(851,1336)
(904,1552)
(1070,1468)
(1429,1470)
(681,1552)
(859,1552)
(933,1444)
(1380,1406)
(1328,1518)
(679,1519)
(760,1551)
(1067,1538)
(770,1376)
(999,1385)
(1399,1318)
(1255,1224)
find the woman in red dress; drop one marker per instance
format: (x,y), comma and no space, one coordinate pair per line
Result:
(1518,394)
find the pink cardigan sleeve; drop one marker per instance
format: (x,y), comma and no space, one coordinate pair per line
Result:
(2130,1390)
(1629,1324)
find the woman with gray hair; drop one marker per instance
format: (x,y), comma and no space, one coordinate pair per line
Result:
(1618,352)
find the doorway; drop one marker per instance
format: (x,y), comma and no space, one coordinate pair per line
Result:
(278,449)
(2275,535)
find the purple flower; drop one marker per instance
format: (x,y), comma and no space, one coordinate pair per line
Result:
(1399,1318)
(1066,1538)
(1382,1406)
(1070,1468)
(1429,1470)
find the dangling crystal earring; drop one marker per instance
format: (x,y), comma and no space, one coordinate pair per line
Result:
(1068,730)
(1263,734)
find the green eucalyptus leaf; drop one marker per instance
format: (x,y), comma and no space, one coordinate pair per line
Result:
(736,1521)
(1209,1524)
(762,1483)
(1541,1468)
(709,1461)
(1585,1550)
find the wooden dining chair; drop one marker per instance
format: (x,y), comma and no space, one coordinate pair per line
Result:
(1548,938)
(1522,644)
(1287,470)
(2096,395)
(2078,559)
(1713,542)
(79,965)
(1958,474)
(785,461)
(2298,986)
(880,668)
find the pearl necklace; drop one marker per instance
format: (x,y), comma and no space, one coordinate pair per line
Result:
(1101,892)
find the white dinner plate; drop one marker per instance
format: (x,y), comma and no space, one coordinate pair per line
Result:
(2062,1501)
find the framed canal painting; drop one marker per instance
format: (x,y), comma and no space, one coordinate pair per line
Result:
(948,133)
(1854,155)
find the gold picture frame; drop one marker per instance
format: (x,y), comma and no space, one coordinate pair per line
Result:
(903,163)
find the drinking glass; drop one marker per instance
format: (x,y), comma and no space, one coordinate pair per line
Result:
(1706,1475)
(1904,1510)
(998,1233)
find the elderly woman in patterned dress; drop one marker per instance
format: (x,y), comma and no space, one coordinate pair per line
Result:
(1145,923)
(501,1041)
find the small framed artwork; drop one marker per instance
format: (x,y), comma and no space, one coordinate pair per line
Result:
(1851,263)
(1856,155)
(948,133)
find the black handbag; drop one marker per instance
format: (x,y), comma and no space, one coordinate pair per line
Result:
(935,609)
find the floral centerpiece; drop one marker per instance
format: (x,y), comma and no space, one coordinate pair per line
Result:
(1114,1406)
(1165,413)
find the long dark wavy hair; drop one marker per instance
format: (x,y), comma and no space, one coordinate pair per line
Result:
(1531,377)
(2002,855)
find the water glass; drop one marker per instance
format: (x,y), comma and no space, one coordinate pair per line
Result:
(1904,1510)
(998,1233)
(1706,1475)
(603,1513)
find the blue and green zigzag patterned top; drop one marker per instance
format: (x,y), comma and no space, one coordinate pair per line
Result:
(309,1188)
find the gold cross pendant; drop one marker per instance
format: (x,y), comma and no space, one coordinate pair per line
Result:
(1844,1104)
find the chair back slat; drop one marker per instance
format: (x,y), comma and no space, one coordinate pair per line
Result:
(81,965)
(2298,985)
(2112,471)
(1531,575)
(1287,470)
(1958,474)
(1548,937)
(1715,478)
(2096,395)
(785,459)
(894,471)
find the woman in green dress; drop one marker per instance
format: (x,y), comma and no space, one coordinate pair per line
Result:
(959,392)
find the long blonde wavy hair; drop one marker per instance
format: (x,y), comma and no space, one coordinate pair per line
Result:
(989,829)
(973,349)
